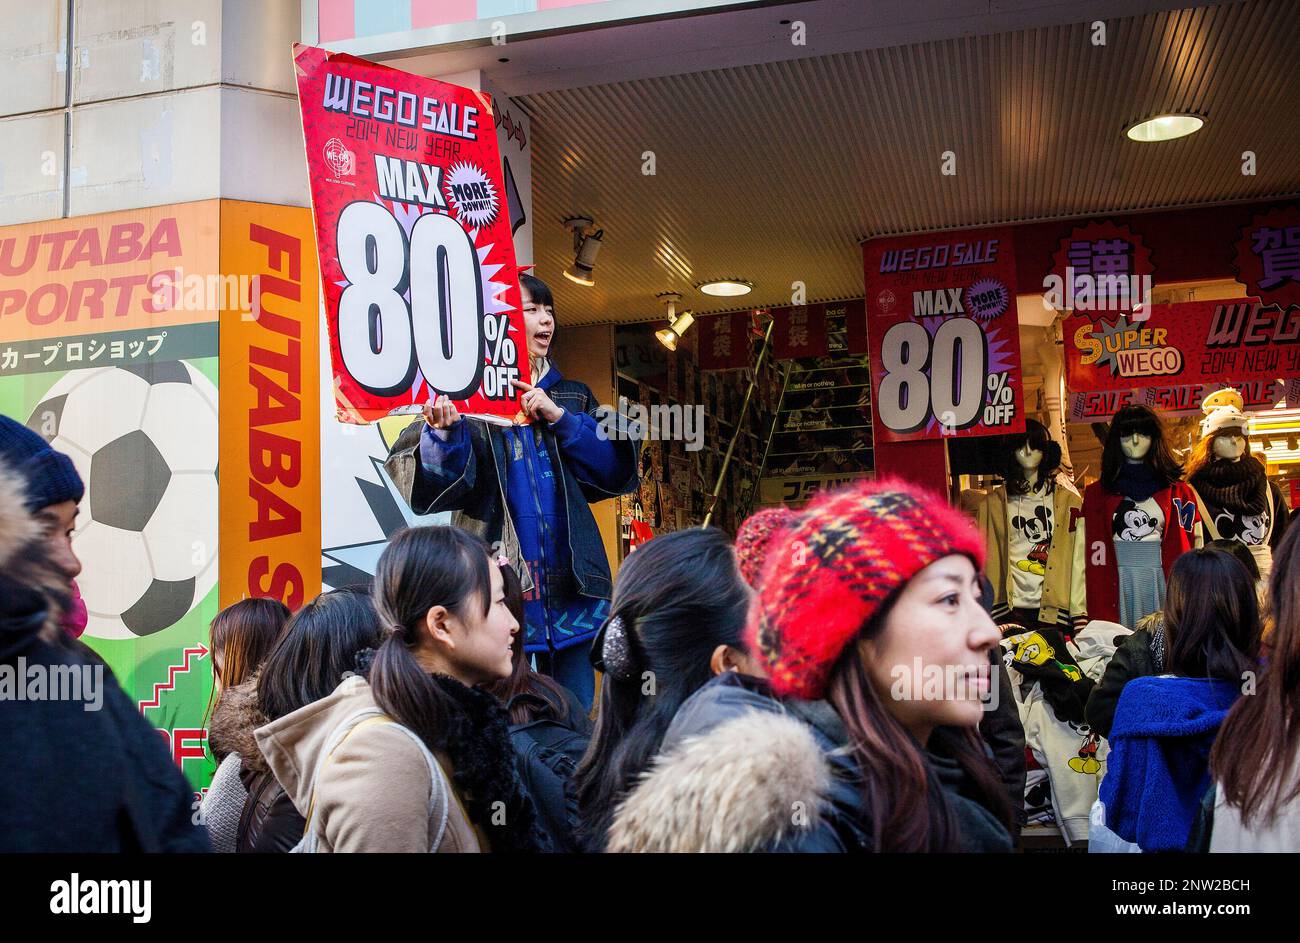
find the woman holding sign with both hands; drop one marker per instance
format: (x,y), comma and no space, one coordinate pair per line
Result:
(525,488)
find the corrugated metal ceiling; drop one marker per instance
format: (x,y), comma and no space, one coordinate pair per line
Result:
(775,172)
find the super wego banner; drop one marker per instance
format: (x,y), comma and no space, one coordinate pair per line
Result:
(412,230)
(1181,353)
(945,345)
(1196,342)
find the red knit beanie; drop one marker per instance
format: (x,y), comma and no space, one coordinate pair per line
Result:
(829,571)
(755,537)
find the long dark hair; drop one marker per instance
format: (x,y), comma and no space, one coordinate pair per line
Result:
(548,697)
(318,648)
(423,567)
(1037,436)
(1211,616)
(680,596)
(1160,458)
(1254,755)
(443,566)
(244,633)
(905,809)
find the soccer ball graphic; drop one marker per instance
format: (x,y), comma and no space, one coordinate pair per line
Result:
(144,439)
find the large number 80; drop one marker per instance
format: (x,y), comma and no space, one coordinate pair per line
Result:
(954,391)
(382,339)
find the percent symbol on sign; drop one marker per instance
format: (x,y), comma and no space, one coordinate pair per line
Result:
(1000,409)
(496,330)
(1001,393)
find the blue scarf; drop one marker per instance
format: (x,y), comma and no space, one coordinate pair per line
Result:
(1137,481)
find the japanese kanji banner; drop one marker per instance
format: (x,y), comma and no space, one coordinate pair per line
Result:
(724,341)
(416,257)
(945,343)
(1197,342)
(1268,256)
(799,332)
(1100,264)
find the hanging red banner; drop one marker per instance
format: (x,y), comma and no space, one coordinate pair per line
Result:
(1196,342)
(1268,256)
(724,341)
(1100,405)
(1100,265)
(799,332)
(945,343)
(416,256)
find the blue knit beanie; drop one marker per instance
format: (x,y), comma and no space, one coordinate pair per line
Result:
(51,477)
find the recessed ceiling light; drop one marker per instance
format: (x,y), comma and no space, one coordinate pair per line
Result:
(726,287)
(1165,128)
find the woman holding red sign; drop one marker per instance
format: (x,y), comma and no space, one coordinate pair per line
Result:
(525,489)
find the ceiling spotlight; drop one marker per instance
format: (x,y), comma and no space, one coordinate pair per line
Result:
(585,248)
(726,287)
(1164,128)
(677,323)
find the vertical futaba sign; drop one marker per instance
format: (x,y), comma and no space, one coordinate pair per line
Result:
(270,420)
(414,240)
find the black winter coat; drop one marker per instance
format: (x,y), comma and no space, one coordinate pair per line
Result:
(74,779)
(1134,658)
(269,822)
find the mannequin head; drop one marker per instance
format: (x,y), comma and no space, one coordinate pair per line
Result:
(1137,435)
(1030,459)
(1135,446)
(1225,437)
(1228,445)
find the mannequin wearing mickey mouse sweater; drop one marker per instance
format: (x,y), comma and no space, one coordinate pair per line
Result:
(1150,514)
(1236,499)
(1034,528)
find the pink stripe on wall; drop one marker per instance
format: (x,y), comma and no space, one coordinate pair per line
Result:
(336,19)
(439,12)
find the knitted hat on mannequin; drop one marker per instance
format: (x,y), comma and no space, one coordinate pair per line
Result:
(829,571)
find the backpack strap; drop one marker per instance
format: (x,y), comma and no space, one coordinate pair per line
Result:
(439,788)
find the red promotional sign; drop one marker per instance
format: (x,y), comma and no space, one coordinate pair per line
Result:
(412,229)
(724,341)
(1095,405)
(945,344)
(799,332)
(1209,342)
(1268,256)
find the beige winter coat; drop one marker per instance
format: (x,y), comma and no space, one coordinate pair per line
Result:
(374,791)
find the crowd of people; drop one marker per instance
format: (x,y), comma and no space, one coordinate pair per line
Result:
(832,680)
(748,701)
